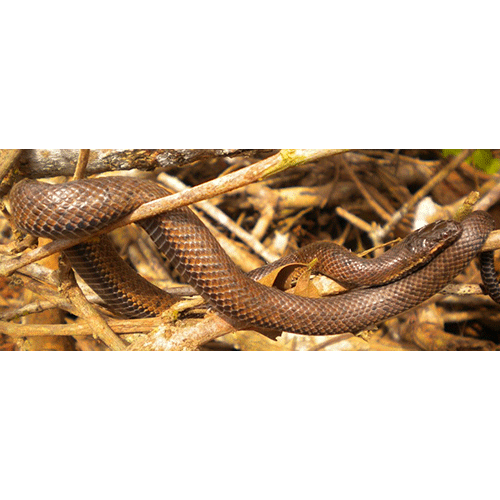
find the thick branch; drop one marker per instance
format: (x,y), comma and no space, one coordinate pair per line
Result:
(37,163)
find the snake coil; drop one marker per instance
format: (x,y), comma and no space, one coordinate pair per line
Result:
(80,207)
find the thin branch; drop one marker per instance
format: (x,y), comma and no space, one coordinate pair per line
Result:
(119,326)
(83,160)
(222,218)
(98,324)
(354,219)
(32,308)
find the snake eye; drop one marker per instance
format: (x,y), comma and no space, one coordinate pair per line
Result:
(433,237)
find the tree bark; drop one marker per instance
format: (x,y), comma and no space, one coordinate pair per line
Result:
(37,163)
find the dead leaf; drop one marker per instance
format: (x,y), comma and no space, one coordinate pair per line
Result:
(282,277)
(305,287)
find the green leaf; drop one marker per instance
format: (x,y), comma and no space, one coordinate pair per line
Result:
(481,158)
(449,152)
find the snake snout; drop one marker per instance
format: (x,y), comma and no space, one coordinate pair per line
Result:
(433,238)
(446,229)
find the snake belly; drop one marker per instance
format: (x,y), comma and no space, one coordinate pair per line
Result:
(80,207)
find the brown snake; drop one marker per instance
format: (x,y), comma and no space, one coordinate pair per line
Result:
(77,208)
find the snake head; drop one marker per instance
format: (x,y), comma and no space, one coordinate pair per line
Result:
(433,238)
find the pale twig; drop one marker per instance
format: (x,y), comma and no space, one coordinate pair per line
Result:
(42,274)
(32,308)
(240,256)
(462,289)
(260,228)
(299,197)
(119,326)
(460,316)
(44,291)
(221,218)
(81,165)
(354,220)
(266,201)
(99,326)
